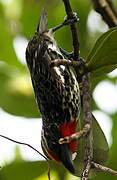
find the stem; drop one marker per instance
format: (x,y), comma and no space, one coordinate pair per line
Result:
(22,143)
(74,31)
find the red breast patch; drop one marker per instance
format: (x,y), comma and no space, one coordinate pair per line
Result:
(67,129)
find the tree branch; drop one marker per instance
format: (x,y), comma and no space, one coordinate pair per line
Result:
(74,31)
(87,120)
(101,168)
(106,9)
(109,14)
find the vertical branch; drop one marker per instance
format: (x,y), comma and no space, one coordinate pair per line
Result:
(86,97)
(87,120)
(106,9)
(74,31)
(109,14)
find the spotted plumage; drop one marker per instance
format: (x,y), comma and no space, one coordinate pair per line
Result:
(57,94)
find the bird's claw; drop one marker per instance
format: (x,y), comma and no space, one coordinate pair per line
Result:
(72,20)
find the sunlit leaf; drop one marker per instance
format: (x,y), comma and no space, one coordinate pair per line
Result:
(23,170)
(44,176)
(15,97)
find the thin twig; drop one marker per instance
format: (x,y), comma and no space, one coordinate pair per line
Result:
(22,143)
(107,11)
(74,31)
(102,168)
(26,144)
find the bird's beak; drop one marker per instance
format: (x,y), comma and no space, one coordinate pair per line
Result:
(43,23)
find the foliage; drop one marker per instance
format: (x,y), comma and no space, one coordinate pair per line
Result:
(16,94)
(103,57)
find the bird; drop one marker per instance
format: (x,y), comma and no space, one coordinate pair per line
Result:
(56,92)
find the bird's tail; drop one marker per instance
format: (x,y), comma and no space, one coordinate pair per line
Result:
(66,158)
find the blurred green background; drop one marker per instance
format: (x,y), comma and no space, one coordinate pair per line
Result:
(18,22)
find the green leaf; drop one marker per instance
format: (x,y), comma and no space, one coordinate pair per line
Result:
(101,149)
(103,57)
(113,149)
(112,163)
(23,170)
(103,71)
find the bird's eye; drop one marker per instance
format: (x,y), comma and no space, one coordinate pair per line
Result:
(46,39)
